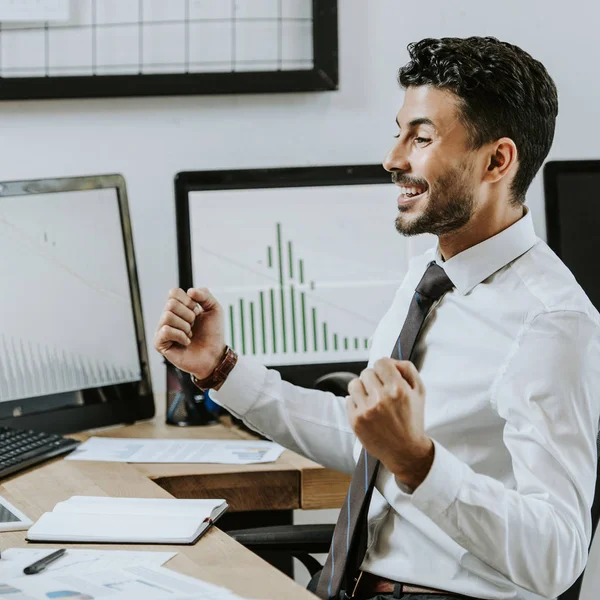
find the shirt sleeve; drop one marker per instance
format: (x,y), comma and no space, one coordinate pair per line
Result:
(538,533)
(310,422)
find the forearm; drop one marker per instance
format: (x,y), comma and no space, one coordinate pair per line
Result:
(539,541)
(310,422)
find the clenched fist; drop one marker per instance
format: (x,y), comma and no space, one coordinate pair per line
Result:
(190,331)
(386,408)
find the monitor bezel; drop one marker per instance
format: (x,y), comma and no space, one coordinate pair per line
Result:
(128,407)
(552,170)
(191,181)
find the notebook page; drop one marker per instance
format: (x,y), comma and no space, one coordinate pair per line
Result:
(199,509)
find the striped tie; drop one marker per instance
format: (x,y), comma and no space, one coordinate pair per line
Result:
(349,542)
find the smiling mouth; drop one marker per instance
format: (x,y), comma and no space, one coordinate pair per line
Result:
(411,193)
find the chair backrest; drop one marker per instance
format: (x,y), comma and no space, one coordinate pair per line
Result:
(573,592)
(336,383)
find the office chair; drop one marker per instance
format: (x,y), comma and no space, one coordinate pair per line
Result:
(300,541)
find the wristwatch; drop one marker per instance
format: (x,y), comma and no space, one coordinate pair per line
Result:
(221,372)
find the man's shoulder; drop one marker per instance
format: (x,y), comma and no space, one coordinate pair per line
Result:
(551,284)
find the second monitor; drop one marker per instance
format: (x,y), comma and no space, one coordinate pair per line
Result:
(305,261)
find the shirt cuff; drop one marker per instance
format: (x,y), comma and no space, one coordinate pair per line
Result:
(441,486)
(241,390)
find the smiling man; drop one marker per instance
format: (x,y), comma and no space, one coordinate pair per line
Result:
(472,433)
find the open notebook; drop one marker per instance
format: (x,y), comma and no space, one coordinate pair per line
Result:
(127,520)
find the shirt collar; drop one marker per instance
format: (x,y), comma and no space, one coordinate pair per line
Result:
(476,264)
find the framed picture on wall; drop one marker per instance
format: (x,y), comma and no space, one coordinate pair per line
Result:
(114,48)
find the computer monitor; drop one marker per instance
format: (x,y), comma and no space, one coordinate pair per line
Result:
(305,261)
(572,194)
(72,346)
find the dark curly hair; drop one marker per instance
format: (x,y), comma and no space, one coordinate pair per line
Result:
(502,91)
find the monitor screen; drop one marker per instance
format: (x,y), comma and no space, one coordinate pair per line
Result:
(73,327)
(572,190)
(305,268)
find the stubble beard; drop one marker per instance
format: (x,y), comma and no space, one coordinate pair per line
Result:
(450,207)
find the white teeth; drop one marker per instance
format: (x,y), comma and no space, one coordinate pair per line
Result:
(413,191)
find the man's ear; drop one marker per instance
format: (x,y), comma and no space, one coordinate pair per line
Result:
(503,159)
(494,162)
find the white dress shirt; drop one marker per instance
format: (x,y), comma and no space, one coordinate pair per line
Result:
(510,360)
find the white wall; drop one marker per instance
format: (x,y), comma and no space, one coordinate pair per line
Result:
(148,140)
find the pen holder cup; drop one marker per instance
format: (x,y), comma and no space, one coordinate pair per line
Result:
(186,404)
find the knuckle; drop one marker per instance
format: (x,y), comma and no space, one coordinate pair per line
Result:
(171,304)
(393,390)
(353,385)
(173,292)
(379,397)
(380,362)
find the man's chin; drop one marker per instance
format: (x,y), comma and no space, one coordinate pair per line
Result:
(408,225)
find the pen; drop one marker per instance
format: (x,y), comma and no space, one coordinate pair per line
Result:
(40,565)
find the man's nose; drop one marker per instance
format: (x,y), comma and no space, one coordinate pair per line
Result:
(396,159)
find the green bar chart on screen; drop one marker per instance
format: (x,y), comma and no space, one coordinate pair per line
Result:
(300,330)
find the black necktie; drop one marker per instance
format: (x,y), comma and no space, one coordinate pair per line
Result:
(349,542)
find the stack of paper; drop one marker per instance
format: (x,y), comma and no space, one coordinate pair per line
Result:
(95,574)
(137,450)
(14,560)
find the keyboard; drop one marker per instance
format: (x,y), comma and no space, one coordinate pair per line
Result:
(21,448)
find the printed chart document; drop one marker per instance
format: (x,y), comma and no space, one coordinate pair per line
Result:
(140,450)
(127,520)
(149,583)
(76,560)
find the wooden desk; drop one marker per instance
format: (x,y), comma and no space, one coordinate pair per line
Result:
(290,483)
(216,558)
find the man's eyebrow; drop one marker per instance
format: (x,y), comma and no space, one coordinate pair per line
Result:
(419,121)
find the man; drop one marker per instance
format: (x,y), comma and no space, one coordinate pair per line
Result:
(479,457)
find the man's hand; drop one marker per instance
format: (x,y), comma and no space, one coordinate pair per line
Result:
(386,410)
(190,331)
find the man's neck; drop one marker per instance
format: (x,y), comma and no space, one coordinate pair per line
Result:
(481,227)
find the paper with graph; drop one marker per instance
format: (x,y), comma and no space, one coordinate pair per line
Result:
(140,450)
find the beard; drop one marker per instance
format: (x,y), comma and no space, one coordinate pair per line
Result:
(450,207)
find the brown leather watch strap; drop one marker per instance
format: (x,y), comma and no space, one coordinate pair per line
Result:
(221,372)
